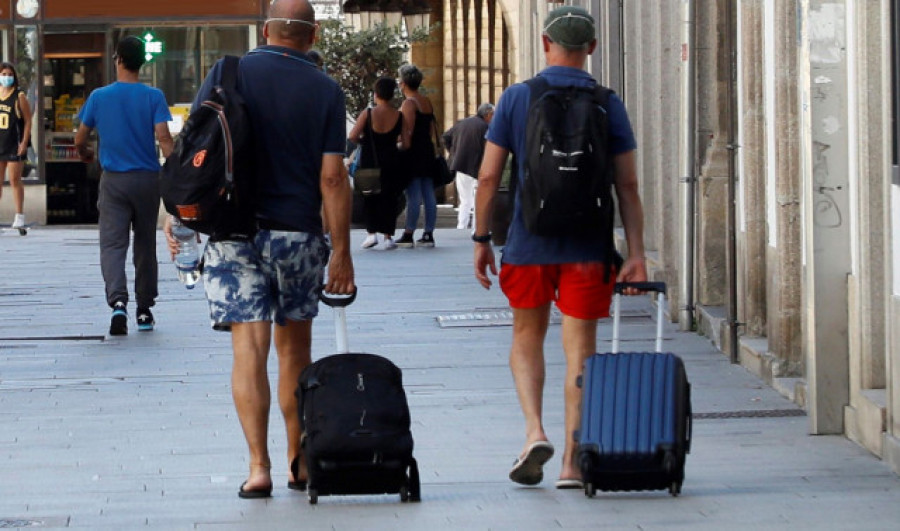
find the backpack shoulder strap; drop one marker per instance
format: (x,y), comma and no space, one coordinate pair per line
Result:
(229,77)
(536,86)
(602,94)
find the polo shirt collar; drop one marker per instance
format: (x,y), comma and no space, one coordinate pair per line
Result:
(286,51)
(565,71)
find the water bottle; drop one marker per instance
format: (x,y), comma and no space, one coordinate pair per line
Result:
(187,260)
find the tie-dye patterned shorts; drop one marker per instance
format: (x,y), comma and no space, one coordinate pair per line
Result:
(275,277)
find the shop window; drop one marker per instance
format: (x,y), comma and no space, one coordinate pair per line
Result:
(187,55)
(24,58)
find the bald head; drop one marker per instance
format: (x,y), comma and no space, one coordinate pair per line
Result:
(291,23)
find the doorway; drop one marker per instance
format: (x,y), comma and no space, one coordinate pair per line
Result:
(72,68)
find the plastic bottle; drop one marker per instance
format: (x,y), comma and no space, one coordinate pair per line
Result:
(187,260)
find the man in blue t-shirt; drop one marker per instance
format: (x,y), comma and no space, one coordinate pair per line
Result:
(572,271)
(298,119)
(127,115)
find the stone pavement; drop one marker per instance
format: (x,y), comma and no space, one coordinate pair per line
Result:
(140,432)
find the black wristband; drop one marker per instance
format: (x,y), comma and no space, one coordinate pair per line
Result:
(484,238)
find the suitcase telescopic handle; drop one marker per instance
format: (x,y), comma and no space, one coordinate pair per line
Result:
(657,287)
(339,304)
(337,300)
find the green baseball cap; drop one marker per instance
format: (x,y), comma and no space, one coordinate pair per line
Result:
(570,26)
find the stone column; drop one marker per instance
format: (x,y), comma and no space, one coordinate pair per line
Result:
(825,174)
(871,94)
(606,63)
(785,246)
(751,222)
(651,124)
(665,219)
(712,68)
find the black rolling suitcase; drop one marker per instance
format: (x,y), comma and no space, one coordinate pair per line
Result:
(356,424)
(636,414)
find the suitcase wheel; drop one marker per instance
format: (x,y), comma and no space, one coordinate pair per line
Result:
(404,494)
(313,496)
(675,488)
(669,462)
(590,490)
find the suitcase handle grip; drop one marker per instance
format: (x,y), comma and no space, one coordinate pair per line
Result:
(618,289)
(656,287)
(338,300)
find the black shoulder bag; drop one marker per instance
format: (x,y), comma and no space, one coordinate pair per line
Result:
(368,180)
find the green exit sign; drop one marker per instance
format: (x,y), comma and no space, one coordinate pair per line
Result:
(152,47)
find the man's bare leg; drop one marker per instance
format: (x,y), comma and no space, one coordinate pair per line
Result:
(252,397)
(526,360)
(293,342)
(579,338)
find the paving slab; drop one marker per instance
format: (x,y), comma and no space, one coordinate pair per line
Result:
(139,432)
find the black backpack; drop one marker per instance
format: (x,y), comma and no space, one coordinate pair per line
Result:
(568,170)
(207,181)
(356,425)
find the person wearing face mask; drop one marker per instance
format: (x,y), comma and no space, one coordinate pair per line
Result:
(15,135)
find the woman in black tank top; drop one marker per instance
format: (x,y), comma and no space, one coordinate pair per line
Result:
(15,134)
(381,148)
(418,114)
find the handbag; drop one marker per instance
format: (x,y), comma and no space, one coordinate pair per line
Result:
(368,180)
(441,174)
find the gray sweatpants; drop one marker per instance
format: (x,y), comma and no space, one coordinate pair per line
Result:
(129,201)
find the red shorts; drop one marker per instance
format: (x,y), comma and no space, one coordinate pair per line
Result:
(580,290)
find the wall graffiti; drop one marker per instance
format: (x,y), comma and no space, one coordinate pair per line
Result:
(826,210)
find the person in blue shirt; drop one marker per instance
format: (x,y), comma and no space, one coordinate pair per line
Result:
(267,288)
(129,117)
(572,271)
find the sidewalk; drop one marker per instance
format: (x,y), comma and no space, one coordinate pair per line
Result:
(140,431)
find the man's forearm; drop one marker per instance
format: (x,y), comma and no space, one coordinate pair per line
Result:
(632,213)
(337,201)
(81,143)
(166,145)
(630,209)
(489,175)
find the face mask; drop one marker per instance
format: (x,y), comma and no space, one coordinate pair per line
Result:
(6,81)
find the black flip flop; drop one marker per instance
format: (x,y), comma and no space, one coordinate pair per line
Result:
(299,484)
(570,483)
(255,493)
(528,469)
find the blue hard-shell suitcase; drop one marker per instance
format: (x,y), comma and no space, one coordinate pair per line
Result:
(635,428)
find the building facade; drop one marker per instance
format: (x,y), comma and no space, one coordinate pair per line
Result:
(768,143)
(768,138)
(63,49)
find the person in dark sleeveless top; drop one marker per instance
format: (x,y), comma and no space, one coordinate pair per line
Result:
(15,134)
(378,132)
(418,114)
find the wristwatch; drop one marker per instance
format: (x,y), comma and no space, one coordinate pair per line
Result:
(484,238)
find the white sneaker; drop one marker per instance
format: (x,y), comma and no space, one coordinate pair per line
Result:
(19,221)
(388,245)
(370,241)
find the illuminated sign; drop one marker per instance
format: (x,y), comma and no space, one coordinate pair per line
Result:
(152,47)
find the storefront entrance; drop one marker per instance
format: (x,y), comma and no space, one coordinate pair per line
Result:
(73,66)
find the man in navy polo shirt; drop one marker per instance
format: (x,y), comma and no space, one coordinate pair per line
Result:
(299,120)
(568,270)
